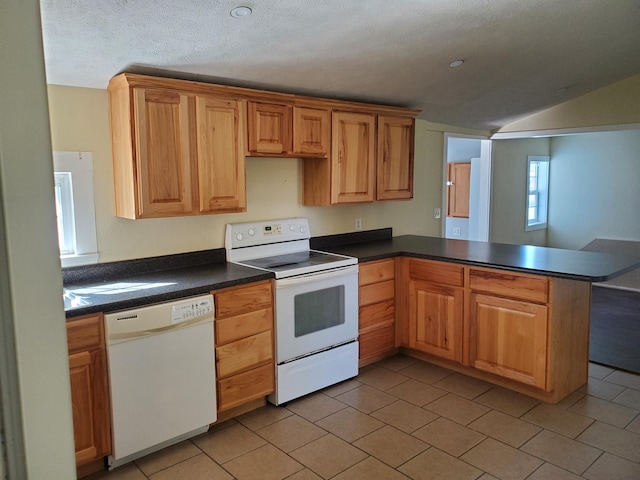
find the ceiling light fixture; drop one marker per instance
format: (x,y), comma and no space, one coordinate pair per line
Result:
(562,90)
(241,12)
(456,63)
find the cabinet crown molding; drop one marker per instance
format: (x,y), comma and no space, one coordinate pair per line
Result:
(242,93)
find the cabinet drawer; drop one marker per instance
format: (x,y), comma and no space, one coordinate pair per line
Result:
(246,386)
(244,354)
(377,341)
(436,272)
(373,272)
(85,333)
(239,300)
(239,326)
(372,316)
(524,287)
(376,292)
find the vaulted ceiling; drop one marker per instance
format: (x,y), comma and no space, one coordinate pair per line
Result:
(520,56)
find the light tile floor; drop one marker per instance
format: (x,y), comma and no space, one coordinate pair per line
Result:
(406,419)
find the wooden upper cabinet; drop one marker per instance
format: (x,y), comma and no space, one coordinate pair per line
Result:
(175,151)
(353,157)
(395,158)
(179,146)
(311,131)
(221,161)
(269,128)
(459,184)
(165,181)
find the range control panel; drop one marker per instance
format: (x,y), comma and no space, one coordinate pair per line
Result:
(250,234)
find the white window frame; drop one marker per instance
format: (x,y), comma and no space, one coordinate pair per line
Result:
(539,189)
(79,167)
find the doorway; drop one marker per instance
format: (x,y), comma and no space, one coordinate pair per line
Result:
(466,187)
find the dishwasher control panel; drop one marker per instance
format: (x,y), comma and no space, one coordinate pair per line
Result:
(198,307)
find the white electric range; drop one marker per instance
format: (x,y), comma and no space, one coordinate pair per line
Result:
(316,303)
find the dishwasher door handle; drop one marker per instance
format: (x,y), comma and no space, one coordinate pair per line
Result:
(124,336)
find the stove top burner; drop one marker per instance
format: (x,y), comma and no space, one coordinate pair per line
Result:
(290,261)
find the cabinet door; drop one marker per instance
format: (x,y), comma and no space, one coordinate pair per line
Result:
(395,158)
(166,174)
(435,319)
(509,338)
(311,131)
(221,164)
(89,388)
(269,128)
(459,185)
(352,157)
(90,405)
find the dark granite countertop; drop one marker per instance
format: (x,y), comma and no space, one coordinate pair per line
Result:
(135,283)
(553,262)
(171,277)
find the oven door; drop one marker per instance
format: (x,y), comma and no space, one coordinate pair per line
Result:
(315,312)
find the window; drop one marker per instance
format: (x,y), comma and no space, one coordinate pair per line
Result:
(64,213)
(537,192)
(73,179)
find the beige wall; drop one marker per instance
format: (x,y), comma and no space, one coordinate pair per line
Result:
(594,188)
(616,104)
(79,122)
(32,299)
(508,187)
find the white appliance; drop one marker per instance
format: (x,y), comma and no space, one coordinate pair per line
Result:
(316,304)
(161,361)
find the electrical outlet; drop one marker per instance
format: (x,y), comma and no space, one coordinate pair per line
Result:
(358,224)
(436,213)
(456,231)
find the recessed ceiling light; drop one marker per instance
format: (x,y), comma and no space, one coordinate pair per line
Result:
(241,12)
(456,63)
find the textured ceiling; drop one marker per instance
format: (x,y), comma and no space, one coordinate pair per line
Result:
(517,53)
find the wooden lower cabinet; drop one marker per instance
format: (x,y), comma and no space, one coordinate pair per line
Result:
(435,300)
(528,333)
(509,338)
(376,299)
(245,369)
(89,388)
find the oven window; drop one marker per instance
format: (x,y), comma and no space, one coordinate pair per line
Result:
(318,310)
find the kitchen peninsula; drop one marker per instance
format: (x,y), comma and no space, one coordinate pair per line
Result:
(512,315)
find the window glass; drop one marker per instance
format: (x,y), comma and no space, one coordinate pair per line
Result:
(319,310)
(75,212)
(537,192)
(64,213)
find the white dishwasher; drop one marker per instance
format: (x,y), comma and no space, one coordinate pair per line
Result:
(161,362)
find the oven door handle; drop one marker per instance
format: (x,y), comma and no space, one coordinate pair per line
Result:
(316,276)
